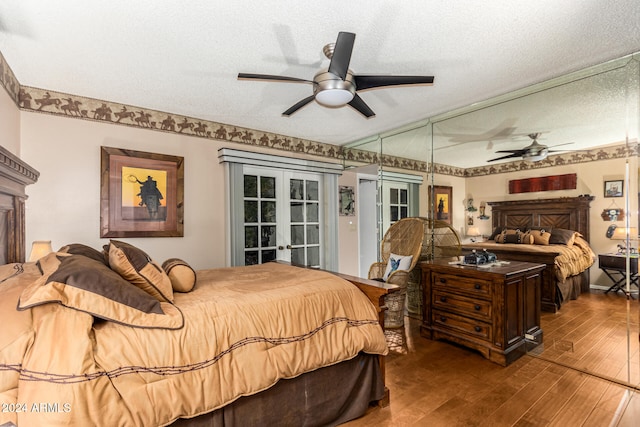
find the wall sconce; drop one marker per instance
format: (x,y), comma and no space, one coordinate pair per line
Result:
(473,232)
(40,248)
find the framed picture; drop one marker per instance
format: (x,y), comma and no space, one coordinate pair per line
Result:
(440,198)
(141,194)
(613,188)
(347,201)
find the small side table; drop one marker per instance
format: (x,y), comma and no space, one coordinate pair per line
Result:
(615,267)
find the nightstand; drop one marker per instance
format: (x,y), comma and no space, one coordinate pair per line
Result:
(615,266)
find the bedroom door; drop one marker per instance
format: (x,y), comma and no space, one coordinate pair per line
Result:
(282,216)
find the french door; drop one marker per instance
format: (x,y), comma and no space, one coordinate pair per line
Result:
(283,216)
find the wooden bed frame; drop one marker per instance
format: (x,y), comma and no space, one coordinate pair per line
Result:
(570,213)
(15,175)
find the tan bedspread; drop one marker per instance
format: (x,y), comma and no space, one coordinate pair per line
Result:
(245,328)
(569,261)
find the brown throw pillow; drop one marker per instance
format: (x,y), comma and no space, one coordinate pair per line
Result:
(183,277)
(137,267)
(80,249)
(561,236)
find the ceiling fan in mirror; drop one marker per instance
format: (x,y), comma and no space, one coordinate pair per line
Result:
(533,152)
(337,86)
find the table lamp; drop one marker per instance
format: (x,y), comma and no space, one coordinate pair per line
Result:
(40,248)
(623,233)
(473,232)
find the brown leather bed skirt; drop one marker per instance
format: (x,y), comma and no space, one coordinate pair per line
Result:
(325,397)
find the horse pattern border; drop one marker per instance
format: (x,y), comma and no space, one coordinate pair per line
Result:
(79,107)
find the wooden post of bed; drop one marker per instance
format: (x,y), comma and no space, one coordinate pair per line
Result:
(376,291)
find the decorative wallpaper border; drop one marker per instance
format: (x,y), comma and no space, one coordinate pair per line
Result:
(79,107)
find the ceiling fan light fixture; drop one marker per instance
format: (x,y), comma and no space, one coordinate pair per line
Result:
(334,97)
(535,157)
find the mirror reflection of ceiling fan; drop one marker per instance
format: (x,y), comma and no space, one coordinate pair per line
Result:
(337,85)
(533,152)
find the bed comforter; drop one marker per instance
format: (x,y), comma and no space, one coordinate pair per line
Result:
(569,261)
(244,329)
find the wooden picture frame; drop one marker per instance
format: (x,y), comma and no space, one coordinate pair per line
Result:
(614,188)
(440,199)
(141,194)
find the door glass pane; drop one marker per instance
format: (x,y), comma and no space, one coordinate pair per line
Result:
(312,190)
(267,187)
(268,211)
(313,256)
(403,212)
(312,212)
(251,258)
(251,236)
(313,235)
(250,211)
(250,186)
(297,256)
(268,236)
(268,255)
(394,213)
(297,212)
(393,196)
(296,189)
(403,197)
(297,235)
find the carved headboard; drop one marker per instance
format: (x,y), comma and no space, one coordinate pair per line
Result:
(571,213)
(15,175)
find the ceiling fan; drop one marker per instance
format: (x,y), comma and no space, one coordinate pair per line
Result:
(337,85)
(533,152)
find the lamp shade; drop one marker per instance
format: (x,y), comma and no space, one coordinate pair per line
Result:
(473,231)
(620,233)
(39,248)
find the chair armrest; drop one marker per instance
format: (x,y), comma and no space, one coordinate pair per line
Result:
(399,277)
(377,269)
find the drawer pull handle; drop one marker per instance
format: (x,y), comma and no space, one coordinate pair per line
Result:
(443,280)
(443,319)
(443,299)
(477,307)
(478,287)
(478,328)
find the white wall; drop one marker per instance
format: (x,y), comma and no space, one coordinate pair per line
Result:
(9,123)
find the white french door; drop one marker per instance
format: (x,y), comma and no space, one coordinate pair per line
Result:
(283,216)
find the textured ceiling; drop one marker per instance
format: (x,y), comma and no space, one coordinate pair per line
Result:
(184,57)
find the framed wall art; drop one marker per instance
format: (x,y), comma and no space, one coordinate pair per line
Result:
(141,194)
(613,188)
(440,197)
(347,201)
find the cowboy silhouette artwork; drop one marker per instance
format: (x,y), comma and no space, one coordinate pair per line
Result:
(150,197)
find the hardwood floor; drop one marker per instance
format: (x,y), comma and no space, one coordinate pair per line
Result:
(574,380)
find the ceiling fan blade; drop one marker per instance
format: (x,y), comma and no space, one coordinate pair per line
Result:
(510,156)
(298,105)
(361,106)
(368,82)
(342,54)
(519,152)
(248,76)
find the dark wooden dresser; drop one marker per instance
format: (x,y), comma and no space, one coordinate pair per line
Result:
(494,310)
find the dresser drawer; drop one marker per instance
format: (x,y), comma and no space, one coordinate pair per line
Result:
(473,307)
(462,324)
(471,286)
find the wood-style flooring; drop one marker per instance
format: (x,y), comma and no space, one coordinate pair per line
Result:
(577,378)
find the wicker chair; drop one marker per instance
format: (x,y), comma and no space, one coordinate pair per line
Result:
(403,238)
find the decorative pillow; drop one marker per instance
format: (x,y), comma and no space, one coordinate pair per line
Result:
(80,249)
(561,236)
(85,284)
(509,235)
(397,262)
(182,276)
(495,233)
(526,238)
(137,267)
(540,237)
